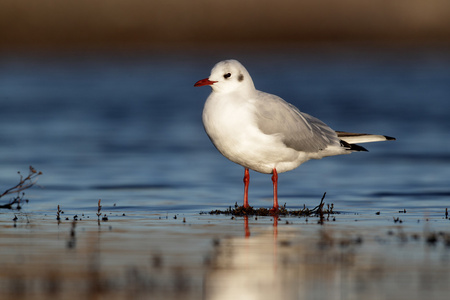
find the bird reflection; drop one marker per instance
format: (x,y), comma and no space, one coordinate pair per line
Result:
(247,227)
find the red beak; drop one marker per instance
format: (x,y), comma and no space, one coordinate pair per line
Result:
(203,82)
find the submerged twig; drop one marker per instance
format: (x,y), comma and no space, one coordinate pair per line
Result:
(24,183)
(99,213)
(58,214)
(99,209)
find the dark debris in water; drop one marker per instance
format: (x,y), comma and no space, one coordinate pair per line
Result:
(241,211)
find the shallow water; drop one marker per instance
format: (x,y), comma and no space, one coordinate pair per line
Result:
(197,256)
(127,129)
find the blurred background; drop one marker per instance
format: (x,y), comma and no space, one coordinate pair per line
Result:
(83,24)
(99,94)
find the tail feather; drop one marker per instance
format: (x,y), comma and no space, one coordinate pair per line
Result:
(353,138)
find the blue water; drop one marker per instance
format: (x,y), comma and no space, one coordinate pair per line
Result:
(126,128)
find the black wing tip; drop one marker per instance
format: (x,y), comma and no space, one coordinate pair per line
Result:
(353,147)
(390,138)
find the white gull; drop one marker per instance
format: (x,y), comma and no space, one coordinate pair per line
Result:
(264,133)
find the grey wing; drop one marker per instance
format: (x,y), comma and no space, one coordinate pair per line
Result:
(297,130)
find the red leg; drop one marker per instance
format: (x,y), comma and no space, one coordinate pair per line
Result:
(275,189)
(246,182)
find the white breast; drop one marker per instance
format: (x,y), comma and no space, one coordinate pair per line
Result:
(229,123)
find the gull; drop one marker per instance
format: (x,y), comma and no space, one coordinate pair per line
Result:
(264,133)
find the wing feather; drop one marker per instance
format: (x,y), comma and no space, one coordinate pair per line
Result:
(296,130)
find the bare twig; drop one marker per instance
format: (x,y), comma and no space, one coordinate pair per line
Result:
(24,183)
(99,210)
(319,207)
(320,210)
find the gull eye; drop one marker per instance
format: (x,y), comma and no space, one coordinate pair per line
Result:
(226,76)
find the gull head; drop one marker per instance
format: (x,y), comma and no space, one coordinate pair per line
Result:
(228,76)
